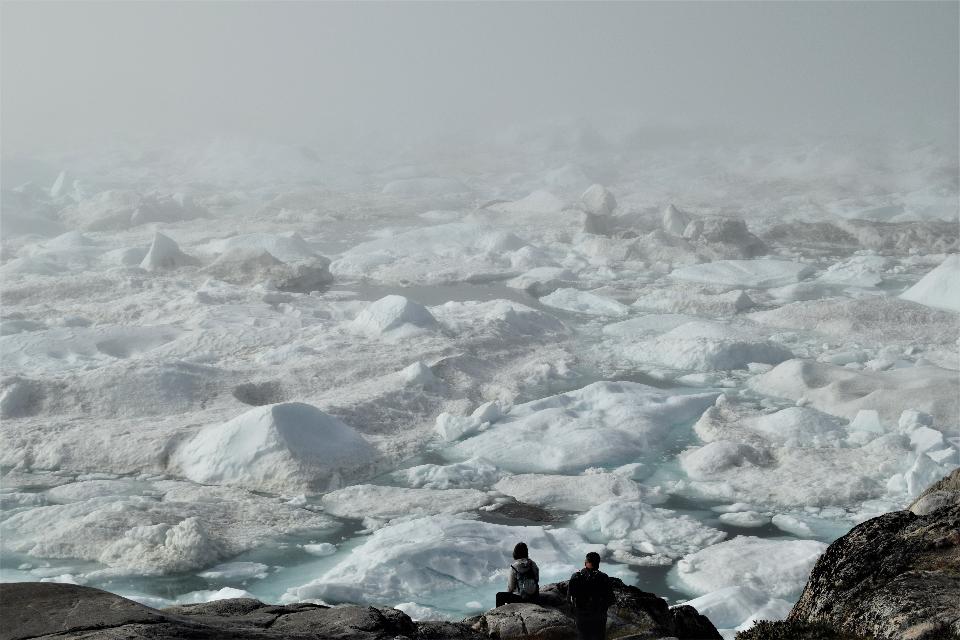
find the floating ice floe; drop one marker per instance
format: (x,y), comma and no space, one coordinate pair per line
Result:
(707,346)
(278,447)
(736,607)
(584,302)
(645,529)
(687,299)
(443,253)
(779,568)
(388,503)
(744,274)
(572,493)
(843,392)
(605,423)
(475,473)
(174,527)
(441,561)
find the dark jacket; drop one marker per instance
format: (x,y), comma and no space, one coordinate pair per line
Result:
(590,592)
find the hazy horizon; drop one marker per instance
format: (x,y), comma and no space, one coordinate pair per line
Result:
(92,73)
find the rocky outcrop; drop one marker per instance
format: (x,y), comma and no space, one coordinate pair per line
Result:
(893,577)
(636,614)
(46,610)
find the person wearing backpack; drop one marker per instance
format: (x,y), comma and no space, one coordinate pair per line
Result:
(523,585)
(590,593)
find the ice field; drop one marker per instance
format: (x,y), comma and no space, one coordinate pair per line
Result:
(244,368)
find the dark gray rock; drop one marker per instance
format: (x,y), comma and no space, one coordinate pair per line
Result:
(895,576)
(46,610)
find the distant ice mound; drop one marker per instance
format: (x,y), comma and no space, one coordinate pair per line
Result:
(252,266)
(708,346)
(107,210)
(393,314)
(569,177)
(278,448)
(422,187)
(440,254)
(674,221)
(940,288)
(117,209)
(539,201)
(166,208)
(286,247)
(598,200)
(746,274)
(165,253)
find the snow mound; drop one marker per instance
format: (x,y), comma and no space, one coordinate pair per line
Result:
(423,187)
(646,529)
(433,559)
(393,314)
(388,503)
(779,568)
(598,200)
(164,254)
(584,302)
(707,346)
(281,448)
(746,274)
(843,392)
(940,288)
(605,423)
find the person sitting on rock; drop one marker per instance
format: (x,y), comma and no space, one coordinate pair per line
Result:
(590,593)
(523,585)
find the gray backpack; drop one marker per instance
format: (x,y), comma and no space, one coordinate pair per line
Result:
(526,581)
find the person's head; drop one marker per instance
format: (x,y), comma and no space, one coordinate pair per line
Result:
(520,551)
(592,561)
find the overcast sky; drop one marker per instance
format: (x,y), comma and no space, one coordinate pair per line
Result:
(89,71)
